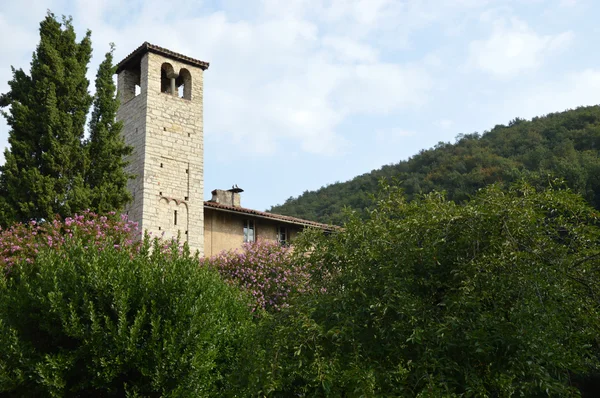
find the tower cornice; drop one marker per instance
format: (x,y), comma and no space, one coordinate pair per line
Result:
(133,59)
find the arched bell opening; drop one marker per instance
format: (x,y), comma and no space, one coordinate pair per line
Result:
(184,84)
(167,79)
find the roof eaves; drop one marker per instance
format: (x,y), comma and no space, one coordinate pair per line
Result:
(147,47)
(270,216)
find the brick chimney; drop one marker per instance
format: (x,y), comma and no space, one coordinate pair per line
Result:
(230,197)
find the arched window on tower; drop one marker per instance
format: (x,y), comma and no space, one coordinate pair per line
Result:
(167,79)
(184,84)
(129,83)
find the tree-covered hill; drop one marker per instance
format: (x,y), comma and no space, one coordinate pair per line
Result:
(564,144)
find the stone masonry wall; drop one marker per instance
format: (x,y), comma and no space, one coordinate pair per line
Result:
(132,112)
(167,134)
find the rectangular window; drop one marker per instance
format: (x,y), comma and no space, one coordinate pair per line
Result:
(249,231)
(175,218)
(282,235)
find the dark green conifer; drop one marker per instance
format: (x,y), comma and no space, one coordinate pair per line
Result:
(106,149)
(43,173)
(49,169)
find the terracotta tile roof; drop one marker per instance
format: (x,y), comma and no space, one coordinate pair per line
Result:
(147,47)
(264,214)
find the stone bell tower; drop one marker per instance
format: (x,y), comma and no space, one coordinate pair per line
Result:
(161,109)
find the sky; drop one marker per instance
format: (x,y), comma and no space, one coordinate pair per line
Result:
(305,93)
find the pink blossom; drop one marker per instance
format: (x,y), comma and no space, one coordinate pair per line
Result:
(22,242)
(266,270)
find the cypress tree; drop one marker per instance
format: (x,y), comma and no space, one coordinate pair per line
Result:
(43,172)
(106,149)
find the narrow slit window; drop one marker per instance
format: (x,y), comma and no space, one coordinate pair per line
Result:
(175,218)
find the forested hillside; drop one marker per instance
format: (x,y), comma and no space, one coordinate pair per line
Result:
(564,144)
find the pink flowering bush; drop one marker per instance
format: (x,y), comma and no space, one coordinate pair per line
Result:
(22,242)
(266,270)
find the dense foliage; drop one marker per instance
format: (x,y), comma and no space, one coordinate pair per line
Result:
(48,169)
(266,270)
(85,322)
(494,298)
(565,145)
(105,173)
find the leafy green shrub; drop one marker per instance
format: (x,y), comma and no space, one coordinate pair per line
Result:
(495,298)
(85,322)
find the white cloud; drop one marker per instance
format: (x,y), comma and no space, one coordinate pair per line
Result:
(382,88)
(364,12)
(514,47)
(445,123)
(275,78)
(392,136)
(348,50)
(280,78)
(575,89)
(568,3)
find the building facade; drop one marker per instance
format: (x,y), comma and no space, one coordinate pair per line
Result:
(228,225)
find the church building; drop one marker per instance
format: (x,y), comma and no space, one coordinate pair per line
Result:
(161,96)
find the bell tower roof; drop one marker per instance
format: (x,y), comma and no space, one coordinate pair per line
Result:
(132,61)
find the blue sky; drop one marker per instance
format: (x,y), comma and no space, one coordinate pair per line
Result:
(304,93)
